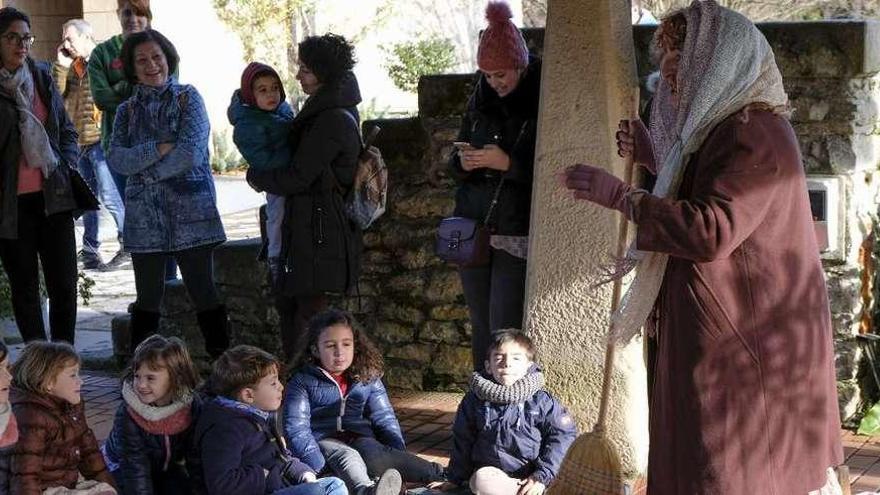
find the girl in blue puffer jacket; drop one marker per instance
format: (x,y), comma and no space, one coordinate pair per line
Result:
(510,435)
(149,451)
(337,415)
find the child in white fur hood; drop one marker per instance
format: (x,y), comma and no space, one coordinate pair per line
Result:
(149,449)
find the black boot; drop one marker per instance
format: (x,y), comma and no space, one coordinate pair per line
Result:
(143,324)
(214,325)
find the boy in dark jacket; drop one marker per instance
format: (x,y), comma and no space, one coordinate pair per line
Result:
(510,435)
(242,452)
(262,122)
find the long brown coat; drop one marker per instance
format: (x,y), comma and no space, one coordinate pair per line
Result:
(55,445)
(744,399)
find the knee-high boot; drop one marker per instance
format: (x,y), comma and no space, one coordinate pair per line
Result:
(214,324)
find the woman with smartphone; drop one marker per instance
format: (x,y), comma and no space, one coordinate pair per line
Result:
(492,165)
(321,247)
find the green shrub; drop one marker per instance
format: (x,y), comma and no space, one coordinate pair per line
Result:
(407,62)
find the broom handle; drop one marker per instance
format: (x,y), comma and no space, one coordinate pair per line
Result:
(617,286)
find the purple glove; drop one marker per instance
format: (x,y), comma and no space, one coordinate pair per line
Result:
(596,185)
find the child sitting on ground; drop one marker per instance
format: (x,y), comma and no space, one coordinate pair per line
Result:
(337,413)
(510,435)
(261,120)
(56,451)
(149,449)
(8,426)
(242,452)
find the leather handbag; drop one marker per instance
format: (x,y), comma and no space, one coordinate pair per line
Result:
(465,241)
(82,194)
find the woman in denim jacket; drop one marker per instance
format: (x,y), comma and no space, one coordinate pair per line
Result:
(160,142)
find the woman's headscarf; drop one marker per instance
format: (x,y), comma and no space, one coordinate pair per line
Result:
(726,64)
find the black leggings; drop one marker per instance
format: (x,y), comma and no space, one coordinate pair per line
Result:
(51,238)
(495,295)
(196,267)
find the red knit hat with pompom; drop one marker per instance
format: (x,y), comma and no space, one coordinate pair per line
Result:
(502,45)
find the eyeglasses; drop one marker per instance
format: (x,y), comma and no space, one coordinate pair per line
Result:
(16,39)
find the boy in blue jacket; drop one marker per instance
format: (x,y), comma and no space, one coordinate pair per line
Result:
(242,452)
(510,435)
(261,119)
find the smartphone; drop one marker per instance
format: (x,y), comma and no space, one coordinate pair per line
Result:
(462,146)
(66,52)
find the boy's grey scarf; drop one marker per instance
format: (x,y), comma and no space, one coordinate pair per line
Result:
(19,86)
(520,391)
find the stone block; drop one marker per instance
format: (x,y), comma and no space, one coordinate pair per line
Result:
(846,358)
(401,313)
(419,353)
(394,333)
(431,203)
(450,312)
(454,361)
(410,284)
(444,287)
(236,264)
(403,377)
(120,335)
(419,257)
(440,331)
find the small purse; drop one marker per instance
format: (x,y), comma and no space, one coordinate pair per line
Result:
(465,241)
(82,194)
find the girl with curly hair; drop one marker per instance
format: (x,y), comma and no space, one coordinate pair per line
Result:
(337,415)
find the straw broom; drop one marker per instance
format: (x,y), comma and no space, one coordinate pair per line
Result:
(591,465)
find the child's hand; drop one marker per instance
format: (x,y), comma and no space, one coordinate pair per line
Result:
(529,486)
(443,486)
(309,477)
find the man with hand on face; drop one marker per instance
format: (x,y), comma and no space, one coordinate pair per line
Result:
(70,72)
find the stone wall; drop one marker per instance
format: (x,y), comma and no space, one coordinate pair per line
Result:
(412,303)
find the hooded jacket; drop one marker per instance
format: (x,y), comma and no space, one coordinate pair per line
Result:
(259,135)
(55,445)
(170,201)
(511,124)
(314,409)
(150,448)
(321,247)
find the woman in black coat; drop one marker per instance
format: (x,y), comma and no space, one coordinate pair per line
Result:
(37,147)
(500,127)
(321,247)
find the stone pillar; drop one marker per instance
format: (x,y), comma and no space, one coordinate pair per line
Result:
(101,14)
(587,86)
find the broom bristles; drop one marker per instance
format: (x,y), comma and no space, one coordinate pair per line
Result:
(591,467)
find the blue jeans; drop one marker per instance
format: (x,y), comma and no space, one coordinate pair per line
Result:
(366,458)
(324,486)
(93,168)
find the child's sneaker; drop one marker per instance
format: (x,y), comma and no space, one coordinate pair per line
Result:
(389,483)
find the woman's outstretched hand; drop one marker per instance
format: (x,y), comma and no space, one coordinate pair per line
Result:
(633,139)
(598,186)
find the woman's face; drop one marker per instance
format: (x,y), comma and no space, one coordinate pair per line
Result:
(150,65)
(307,79)
(15,43)
(130,21)
(669,69)
(503,81)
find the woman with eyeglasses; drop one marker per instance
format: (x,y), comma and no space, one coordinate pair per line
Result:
(37,143)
